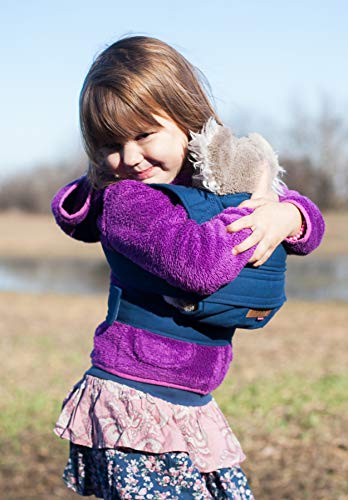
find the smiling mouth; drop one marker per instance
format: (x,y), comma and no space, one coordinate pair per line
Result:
(145,174)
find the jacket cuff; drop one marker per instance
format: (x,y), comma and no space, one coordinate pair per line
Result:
(76,208)
(313,220)
(306,221)
(71,203)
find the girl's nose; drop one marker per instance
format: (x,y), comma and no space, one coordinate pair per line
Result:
(131,154)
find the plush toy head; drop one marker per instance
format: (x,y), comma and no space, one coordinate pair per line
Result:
(226,164)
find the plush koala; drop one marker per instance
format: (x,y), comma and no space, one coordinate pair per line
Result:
(226,164)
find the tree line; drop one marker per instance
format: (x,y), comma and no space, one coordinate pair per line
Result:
(314,154)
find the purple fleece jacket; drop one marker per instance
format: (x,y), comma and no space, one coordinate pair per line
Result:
(143,224)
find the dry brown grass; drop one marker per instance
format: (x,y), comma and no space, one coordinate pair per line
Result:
(297,443)
(296,449)
(283,396)
(37,236)
(336,236)
(33,236)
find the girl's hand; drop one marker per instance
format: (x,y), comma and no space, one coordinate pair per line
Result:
(263,190)
(271,223)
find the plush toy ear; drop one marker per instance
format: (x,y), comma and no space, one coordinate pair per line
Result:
(198,147)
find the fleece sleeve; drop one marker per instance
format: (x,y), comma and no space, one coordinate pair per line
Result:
(142,223)
(76,207)
(314,223)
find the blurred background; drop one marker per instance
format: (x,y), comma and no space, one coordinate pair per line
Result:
(274,67)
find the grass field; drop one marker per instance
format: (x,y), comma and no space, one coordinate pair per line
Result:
(285,395)
(44,239)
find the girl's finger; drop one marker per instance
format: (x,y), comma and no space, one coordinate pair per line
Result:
(259,201)
(249,242)
(259,260)
(252,203)
(263,251)
(259,263)
(242,223)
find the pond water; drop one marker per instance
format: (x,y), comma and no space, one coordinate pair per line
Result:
(307,278)
(61,275)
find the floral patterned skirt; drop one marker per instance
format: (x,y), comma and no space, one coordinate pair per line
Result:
(127,444)
(102,413)
(126,474)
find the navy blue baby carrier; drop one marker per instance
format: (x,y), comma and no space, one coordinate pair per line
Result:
(248,302)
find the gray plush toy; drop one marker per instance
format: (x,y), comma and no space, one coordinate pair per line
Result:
(226,164)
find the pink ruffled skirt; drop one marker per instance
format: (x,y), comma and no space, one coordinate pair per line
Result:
(102,413)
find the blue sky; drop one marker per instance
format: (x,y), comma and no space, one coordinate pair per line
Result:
(258,56)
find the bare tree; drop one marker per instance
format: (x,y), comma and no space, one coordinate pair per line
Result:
(32,191)
(302,176)
(321,140)
(313,148)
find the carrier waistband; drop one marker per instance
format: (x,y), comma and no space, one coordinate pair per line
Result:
(175,396)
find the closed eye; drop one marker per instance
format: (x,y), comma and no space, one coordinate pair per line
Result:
(143,136)
(113,147)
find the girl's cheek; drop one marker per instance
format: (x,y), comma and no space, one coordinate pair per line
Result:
(112,161)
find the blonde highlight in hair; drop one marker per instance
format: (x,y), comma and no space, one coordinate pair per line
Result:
(129,82)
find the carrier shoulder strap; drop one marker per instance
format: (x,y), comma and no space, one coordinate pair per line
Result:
(201,205)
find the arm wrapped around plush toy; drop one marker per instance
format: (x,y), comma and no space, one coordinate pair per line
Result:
(226,165)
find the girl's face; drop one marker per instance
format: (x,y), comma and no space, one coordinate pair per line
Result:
(154,156)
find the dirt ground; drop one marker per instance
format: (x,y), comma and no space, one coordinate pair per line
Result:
(44,239)
(285,396)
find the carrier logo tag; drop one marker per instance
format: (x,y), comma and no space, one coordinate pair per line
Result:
(259,314)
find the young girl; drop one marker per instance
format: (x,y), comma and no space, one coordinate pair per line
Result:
(142,422)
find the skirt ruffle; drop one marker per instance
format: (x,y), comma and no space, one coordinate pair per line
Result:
(121,474)
(102,413)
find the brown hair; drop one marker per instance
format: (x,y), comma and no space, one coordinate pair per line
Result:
(130,81)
